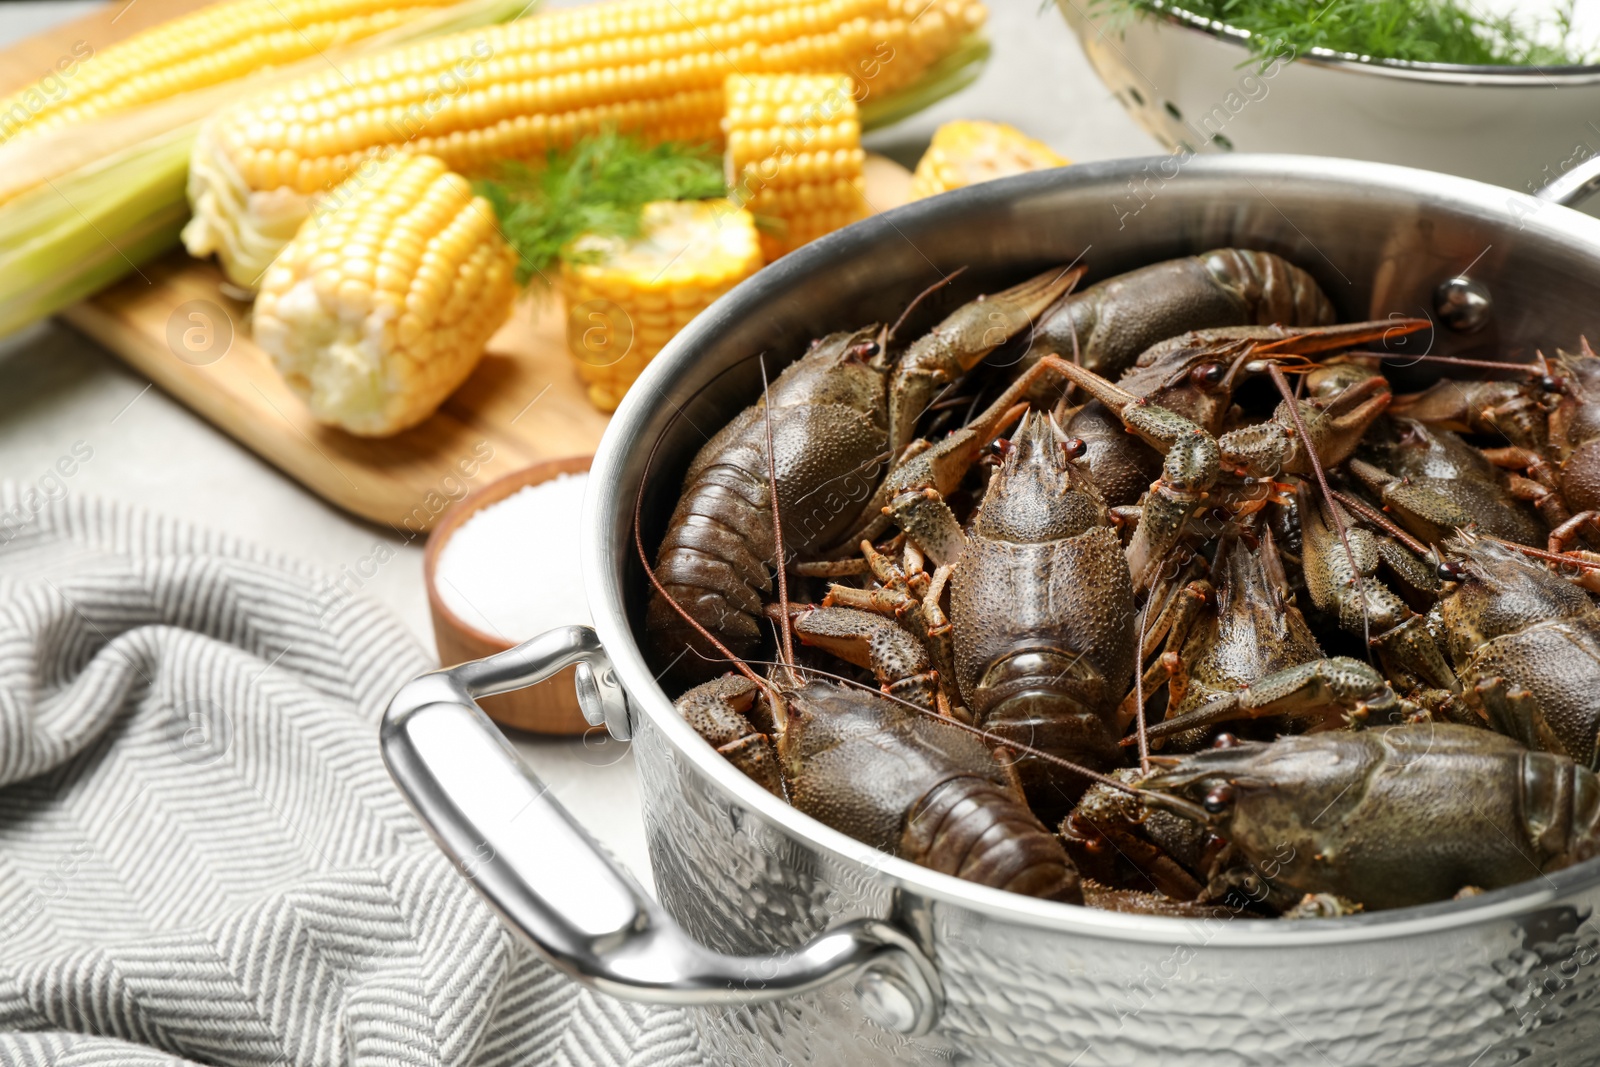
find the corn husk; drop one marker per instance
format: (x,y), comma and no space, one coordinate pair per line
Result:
(83,205)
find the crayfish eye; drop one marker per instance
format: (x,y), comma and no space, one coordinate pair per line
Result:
(865,349)
(1551,384)
(1073,447)
(1000,447)
(1208,375)
(1219,799)
(1451,571)
(1225,741)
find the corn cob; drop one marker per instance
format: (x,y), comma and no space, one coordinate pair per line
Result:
(794,154)
(967,152)
(627,297)
(381,305)
(514,91)
(81,204)
(207,47)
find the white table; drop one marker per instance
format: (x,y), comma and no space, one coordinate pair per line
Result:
(57,387)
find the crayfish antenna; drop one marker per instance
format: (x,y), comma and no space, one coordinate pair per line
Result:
(1382,521)
(785,625)
(888,335)
(1141,723)
(1533,369)
(1565,559)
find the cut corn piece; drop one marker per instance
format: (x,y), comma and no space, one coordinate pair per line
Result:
(966,152)
(381,305)
(655,67)
(216,44)
(794,155)
(627,297)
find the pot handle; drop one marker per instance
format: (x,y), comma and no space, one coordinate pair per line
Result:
(551,882)
(1574,186)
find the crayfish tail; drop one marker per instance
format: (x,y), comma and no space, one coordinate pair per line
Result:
(978,830)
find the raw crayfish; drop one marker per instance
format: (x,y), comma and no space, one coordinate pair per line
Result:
(910,785)
(1357,816)
(1001,634)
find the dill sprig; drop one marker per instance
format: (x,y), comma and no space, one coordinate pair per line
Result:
(599,185)
(1418,31)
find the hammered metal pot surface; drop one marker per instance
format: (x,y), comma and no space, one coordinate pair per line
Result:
(1508,977)
(1518,990)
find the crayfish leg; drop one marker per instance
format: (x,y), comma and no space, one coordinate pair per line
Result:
(877,642)
(1318,689)
(1173,622)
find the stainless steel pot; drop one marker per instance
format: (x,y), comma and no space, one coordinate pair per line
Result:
(767,918)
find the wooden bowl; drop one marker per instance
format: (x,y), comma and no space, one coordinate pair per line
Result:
(551,707)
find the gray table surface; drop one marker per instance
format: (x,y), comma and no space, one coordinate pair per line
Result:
(58,387)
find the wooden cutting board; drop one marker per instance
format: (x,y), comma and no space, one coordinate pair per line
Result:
(172,322)
(522,404)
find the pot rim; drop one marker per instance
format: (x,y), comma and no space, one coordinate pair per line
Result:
(604,592)
(1496,75)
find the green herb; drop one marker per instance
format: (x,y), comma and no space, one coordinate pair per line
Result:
(1419,31)
(600,185)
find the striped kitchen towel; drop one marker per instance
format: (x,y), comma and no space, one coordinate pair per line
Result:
(201,856)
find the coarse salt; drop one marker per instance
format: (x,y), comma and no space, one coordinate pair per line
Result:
(511,570)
